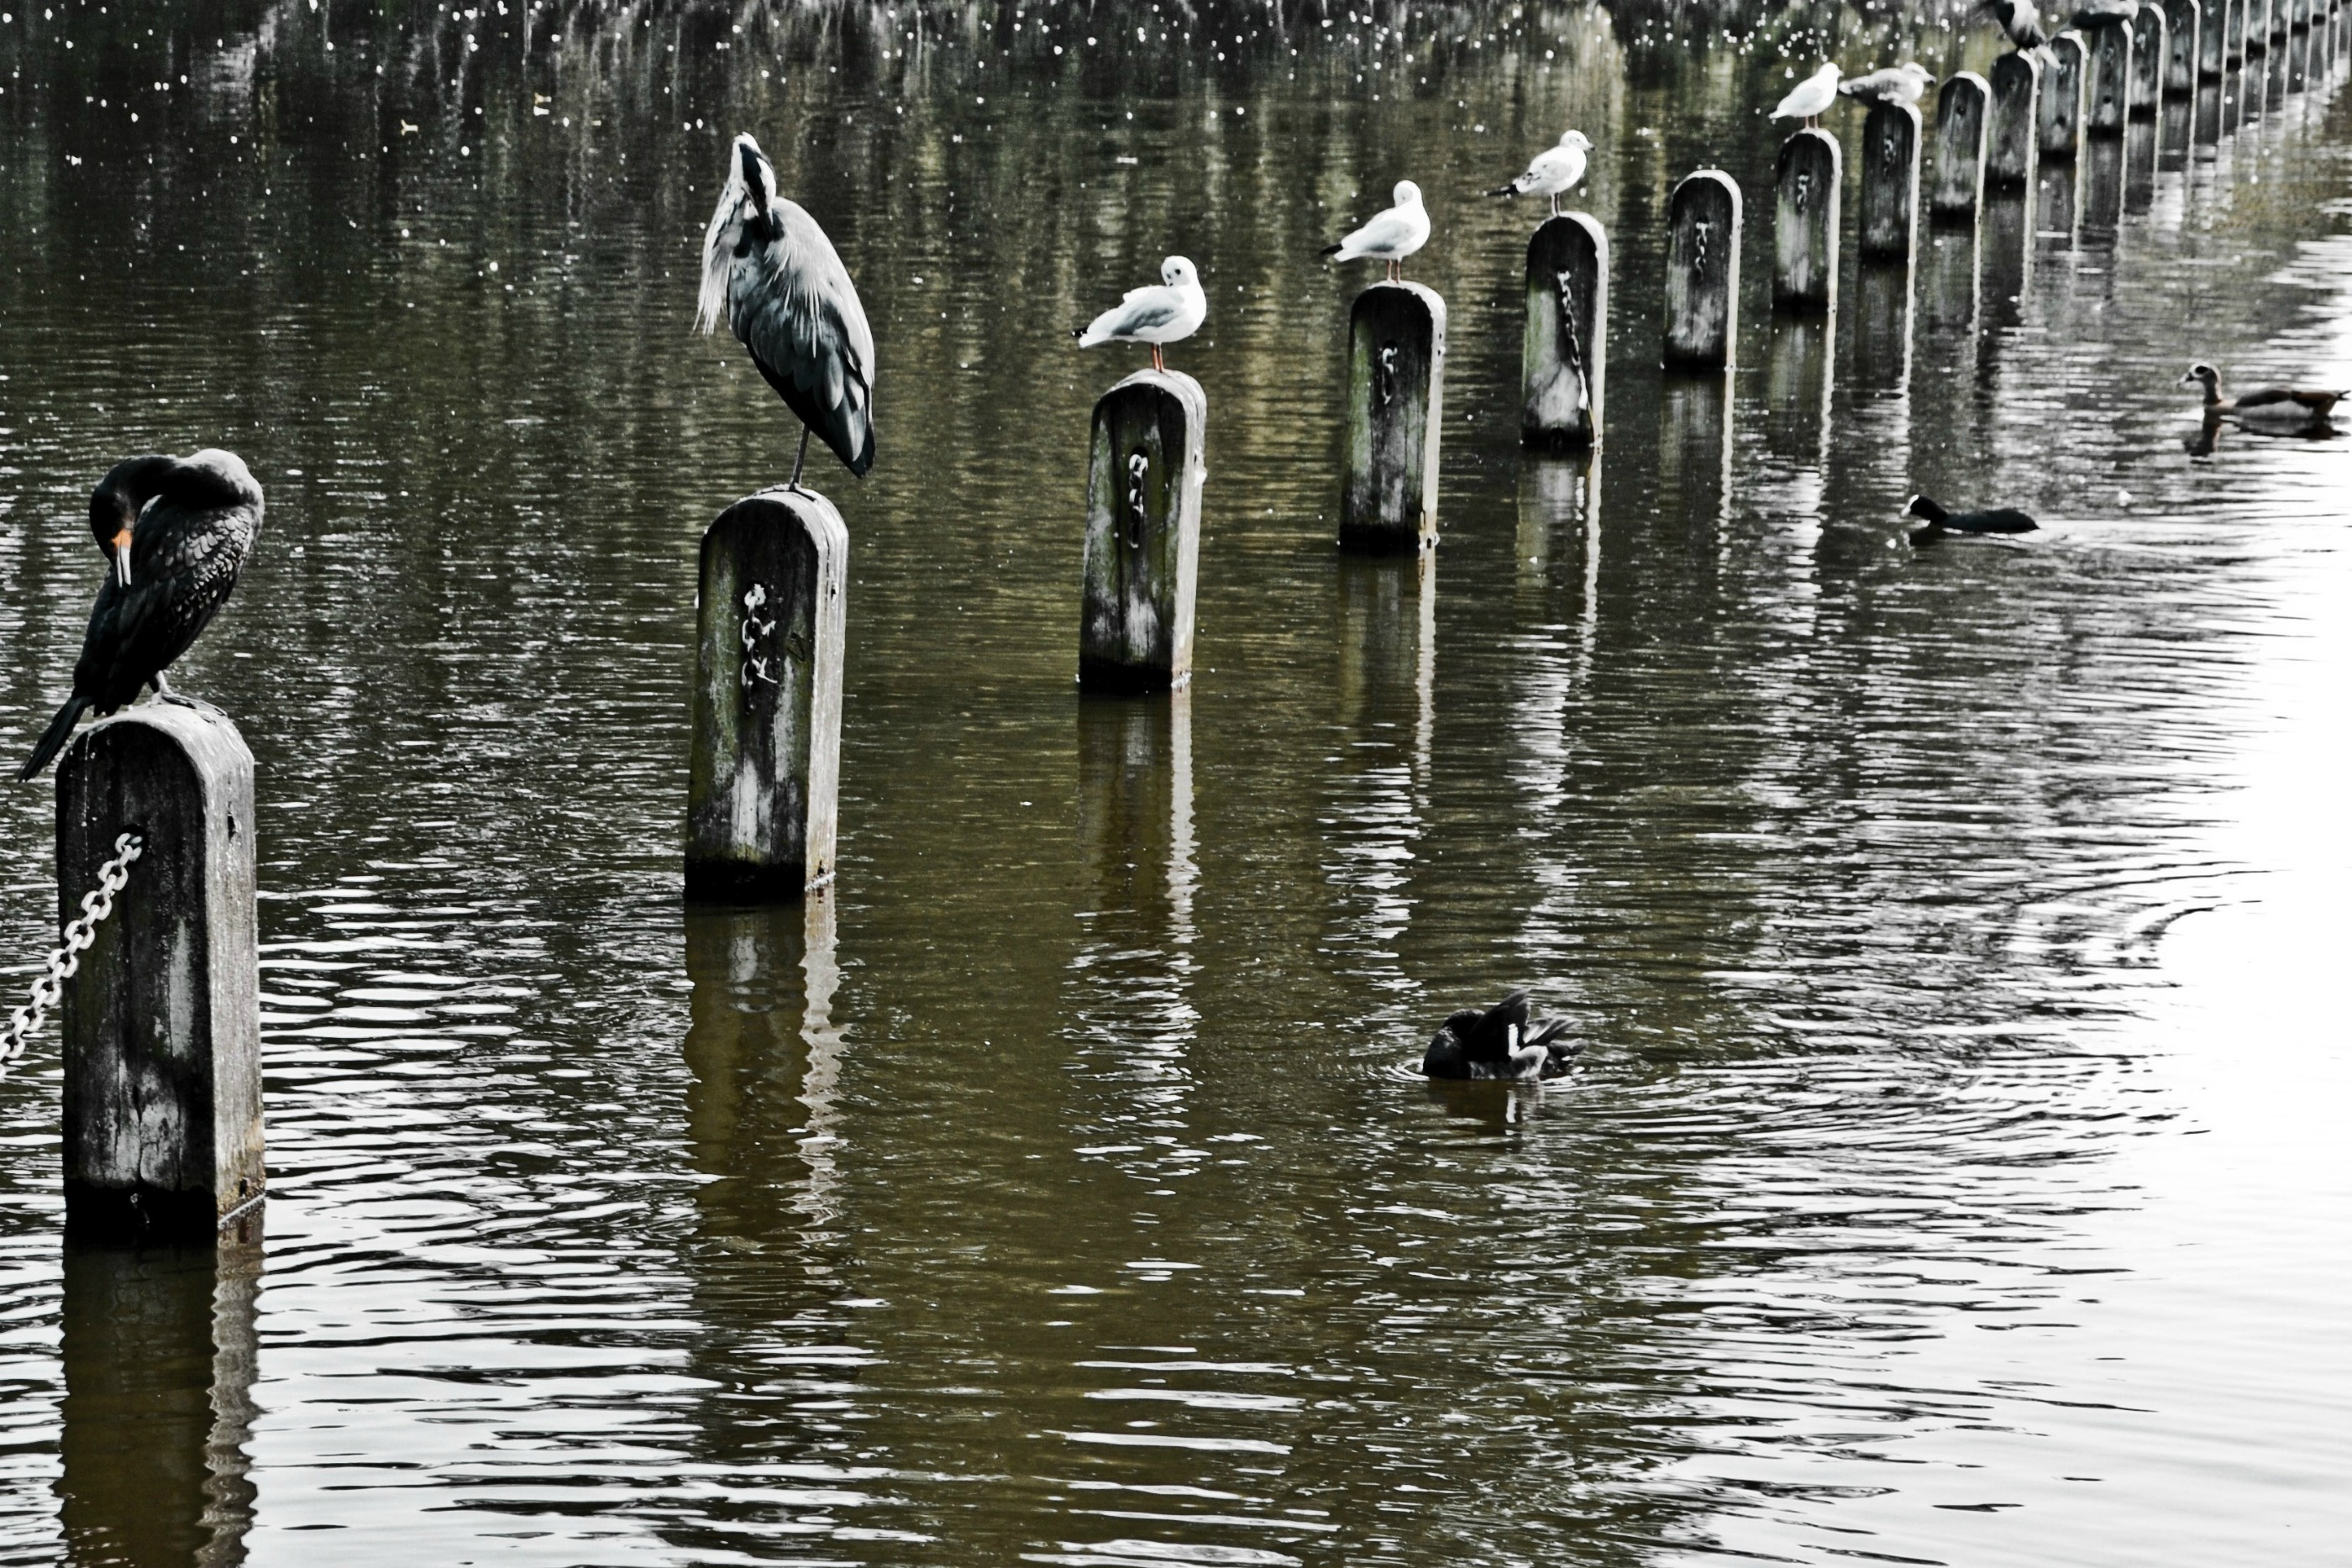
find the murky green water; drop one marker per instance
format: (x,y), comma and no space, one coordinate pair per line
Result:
(1954,1173)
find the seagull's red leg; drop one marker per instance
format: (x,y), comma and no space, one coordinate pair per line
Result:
(1158,362)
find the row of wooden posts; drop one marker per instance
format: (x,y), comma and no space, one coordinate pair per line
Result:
(162,1050)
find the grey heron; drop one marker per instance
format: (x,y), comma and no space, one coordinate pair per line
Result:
(1391,236)
(176,532)
(769,268)
(1167,313)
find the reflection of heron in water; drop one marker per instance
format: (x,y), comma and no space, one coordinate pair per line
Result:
(769,268)
(177,530)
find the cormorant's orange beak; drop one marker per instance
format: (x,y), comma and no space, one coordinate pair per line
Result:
(123,556)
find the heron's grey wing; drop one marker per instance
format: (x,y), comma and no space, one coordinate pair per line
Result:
(797,311)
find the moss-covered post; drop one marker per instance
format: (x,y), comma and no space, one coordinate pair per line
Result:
(2110,80)
(1564,355)
(162,1024)
(1703,222)
(1143,534)
(1396,409)
(2063,82)
(2013,151)
(765,765)
(1808,181)
(1963,120)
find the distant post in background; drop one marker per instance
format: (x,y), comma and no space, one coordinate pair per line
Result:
(1890,181)
(1396,409)
(2150,59)
(1807,190)
(1564,357)
(1703,222)
(162,1024)
(2233,34)
(1143,534)
(2184,49)
(2062,96)
(766,762)
(2110,79)
(1963,123)
(2012,150)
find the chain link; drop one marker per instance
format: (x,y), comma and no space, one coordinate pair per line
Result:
(50,987)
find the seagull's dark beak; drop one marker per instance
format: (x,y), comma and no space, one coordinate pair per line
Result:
(121,549)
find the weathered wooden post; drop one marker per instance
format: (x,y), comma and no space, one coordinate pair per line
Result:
(1564,357)
(2014,147)
(2062,96)
(1806,190)
(2150,56)
(1143,534)
(1396,409)
(2254,29)
(1963,120)
(2186,26)
(1890,181)
(1703,222)
(765,759)
(2110,79)
(162,1024)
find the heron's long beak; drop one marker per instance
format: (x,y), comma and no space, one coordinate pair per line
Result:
(121,548)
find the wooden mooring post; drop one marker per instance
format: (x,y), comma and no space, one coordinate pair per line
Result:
(2233,34)
(163,1023)
(1808,185)
(1703,222)
(2013,150)
(2063,82)
(1143,534)
(765,762)
(1564,357)
(2185,48)
(2150,55)
(1396,410)
(1963,126)
(2110,80)
(1890,181)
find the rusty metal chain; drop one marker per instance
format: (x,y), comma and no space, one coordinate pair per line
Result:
(50,987)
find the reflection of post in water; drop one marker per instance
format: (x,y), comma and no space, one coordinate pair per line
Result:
(2103,191)
(1388,646)
(2057,202)
(1695,452)
(1882,327)
(159,1370)
(2174,130)
(1559,503)
(766,1061)
(2009,259)
(2139,165)
(1798,360)
(1135,801)
(2207,131)
(1949,291)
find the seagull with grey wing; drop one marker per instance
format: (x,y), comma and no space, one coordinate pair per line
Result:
(1811,97)
(1554,171)
(1392,235)
(1906,83)
(770,271)
(1159,315)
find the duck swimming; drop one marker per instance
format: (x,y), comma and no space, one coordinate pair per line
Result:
(2286,409)
(1503,1042)
(1994,520)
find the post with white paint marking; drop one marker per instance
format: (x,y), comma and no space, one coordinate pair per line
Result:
(2110,80)
(1564,357)
(1143,534)
(163,1023)
(2013,151)
(765,763)
(1890,181)
(1807,192)
(1963,119)
(1703,222)
(1396,409)
(2062,96)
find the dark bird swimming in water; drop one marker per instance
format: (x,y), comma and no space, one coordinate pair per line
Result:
(2288,409)
(1996,521)
(770,270)
(1501,1043)
(176,531)
(2017,21)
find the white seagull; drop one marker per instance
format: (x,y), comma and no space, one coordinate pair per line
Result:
(1897,84)
(1555,172)
(1165,312)
(1391,236)
(770,270)
(1812,95)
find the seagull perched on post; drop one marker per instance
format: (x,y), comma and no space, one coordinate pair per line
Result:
(1160,314)
(2017,21)
(1391,236)
(1554,172)
(1811,96)
(771,270)
(1897,84)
